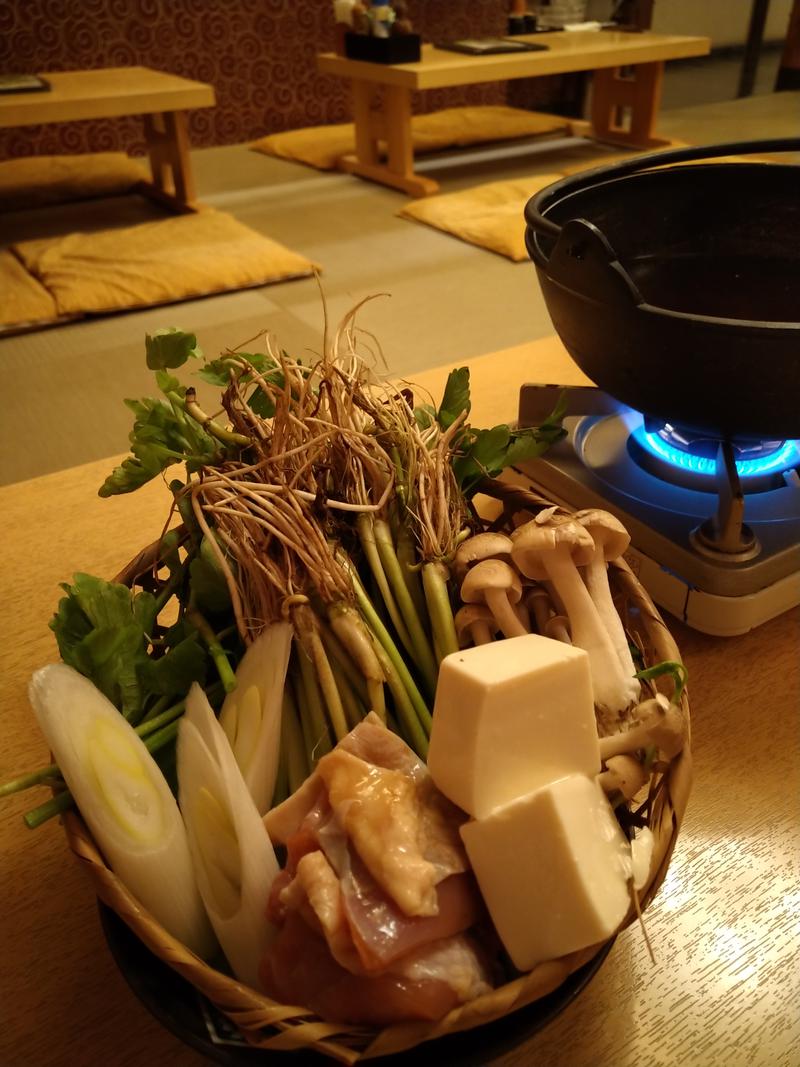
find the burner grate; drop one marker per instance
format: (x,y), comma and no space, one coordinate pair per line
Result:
(699,455)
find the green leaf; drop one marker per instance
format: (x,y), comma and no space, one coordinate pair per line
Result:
(161,435)
(531,442)
(170,348)
(487,453)
(209,588)
(167,383)
(483,457)
(103,630)
(455,398)
(425,416)
(174,672)
(260,403)
(674,668)
(218,371)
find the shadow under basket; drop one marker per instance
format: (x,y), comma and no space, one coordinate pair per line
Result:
(278,1027)
(403,48)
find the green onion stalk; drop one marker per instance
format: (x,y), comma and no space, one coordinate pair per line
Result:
(158,733)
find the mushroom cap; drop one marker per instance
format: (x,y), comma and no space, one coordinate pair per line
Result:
(481,546)
(490,574)
(608,533)
(466,617)
(533,540)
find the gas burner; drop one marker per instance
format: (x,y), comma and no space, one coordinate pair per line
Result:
(681,457)
(691,546)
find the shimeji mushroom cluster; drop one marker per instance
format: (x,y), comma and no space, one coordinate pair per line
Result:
(551,576)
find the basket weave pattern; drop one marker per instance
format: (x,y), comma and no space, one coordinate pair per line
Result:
(274,1026)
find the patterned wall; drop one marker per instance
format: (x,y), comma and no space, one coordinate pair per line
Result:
(258,54)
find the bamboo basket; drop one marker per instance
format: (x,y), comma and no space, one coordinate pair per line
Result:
(284,1027)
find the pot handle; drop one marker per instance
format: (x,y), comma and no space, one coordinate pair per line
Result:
(584,261)
(536,207)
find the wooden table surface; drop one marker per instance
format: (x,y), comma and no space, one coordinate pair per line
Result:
(566,52)
(725,987)
(105,93)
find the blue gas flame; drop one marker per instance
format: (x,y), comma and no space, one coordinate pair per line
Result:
(781,459)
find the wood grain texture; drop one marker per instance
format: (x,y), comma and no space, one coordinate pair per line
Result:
(94,94)
(725,986)
(566,52)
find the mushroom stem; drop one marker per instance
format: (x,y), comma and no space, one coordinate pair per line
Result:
(539,602)
(588,632)
(660,724)
(624,775)
(557,628)
(505,616)
(481,635)
(599,590)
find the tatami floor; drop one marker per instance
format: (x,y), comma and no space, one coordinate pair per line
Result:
(444,300)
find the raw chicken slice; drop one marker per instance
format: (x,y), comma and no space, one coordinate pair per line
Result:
(376,895)
(299,969)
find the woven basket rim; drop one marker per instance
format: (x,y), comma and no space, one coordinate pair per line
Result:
(278,1027)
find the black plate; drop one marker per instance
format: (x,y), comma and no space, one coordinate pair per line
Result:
(180,1008)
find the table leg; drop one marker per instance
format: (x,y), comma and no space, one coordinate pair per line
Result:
(382,117)
(625,103)
(168,150)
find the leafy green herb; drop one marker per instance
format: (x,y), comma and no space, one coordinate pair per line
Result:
(209,588)
(487,453)
(218,371)
(108,633)
(455,398)
(174,672)
(170,348)
(425,416)
(162,434)
(102,631)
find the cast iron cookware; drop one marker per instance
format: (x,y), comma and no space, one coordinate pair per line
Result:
(677,289)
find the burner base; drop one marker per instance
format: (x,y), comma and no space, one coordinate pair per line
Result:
(720,616)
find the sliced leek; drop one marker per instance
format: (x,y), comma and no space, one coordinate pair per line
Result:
(234,860)
(251,714)
(124,799)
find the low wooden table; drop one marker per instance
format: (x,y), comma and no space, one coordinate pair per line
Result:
(162,99)
(724,988)
(628,70)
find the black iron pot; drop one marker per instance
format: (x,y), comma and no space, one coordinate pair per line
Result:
(677,290)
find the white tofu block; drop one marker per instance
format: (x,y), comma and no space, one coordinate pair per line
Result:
(553,869)
(509,717)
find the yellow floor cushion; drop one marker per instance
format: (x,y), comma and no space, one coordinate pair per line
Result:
(157,262)
(490,216)
(323,146)
(23,299)
(39,180)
